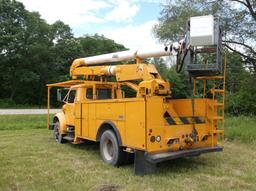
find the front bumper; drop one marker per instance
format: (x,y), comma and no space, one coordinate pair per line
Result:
(160,157)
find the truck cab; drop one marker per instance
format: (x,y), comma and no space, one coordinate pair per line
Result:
(81,94)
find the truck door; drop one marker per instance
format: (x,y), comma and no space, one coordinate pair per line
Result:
(85,112)
(69,107)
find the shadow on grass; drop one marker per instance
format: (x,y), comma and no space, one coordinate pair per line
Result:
(181,165)
(86,146)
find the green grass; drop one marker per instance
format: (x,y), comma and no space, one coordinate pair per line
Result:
(15,122)
(241,129)
(31,160)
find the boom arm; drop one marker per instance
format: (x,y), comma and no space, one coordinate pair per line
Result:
(151,81)
(125,72)
(117,57)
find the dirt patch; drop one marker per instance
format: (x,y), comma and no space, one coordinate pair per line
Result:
(107,187)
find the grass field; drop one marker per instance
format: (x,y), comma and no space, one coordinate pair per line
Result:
(31,160)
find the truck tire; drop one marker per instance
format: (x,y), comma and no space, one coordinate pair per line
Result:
(56,133)
(110,150)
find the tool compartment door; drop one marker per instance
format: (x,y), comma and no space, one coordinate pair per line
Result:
(78,119)
(135,125)
(85,120)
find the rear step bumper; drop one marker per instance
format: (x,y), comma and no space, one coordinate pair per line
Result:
(146,163)
(160,157)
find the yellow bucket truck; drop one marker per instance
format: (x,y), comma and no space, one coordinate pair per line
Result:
(150,125)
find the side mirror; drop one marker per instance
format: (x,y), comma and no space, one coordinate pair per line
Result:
(59,96)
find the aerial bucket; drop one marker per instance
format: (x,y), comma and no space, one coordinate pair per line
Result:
(202,54)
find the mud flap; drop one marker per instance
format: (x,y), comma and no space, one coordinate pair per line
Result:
(142,166)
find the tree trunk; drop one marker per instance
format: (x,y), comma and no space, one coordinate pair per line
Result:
(13,91)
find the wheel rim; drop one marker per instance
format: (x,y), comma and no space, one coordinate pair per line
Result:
(108,149)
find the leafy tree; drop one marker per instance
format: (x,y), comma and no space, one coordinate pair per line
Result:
(98,44)
(60,32)
(161,67)
(65,49)
(37,59)
(240,91)
(12,21)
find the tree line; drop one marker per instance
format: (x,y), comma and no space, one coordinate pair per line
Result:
(34,53)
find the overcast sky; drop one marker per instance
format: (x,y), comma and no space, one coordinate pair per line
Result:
(128,22)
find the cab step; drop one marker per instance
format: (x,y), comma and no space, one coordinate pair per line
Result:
(68,138)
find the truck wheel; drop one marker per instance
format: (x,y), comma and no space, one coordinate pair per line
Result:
(110,151)
(56,133)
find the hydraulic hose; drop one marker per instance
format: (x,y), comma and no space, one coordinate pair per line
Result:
(182,53)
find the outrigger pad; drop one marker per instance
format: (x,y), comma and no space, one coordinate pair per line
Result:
(142,166)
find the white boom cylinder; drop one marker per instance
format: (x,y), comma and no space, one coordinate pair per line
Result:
(125,56)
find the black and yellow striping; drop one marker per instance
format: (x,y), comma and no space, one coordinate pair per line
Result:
(182,120)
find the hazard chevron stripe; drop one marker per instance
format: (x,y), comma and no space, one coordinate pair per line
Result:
(183,120)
